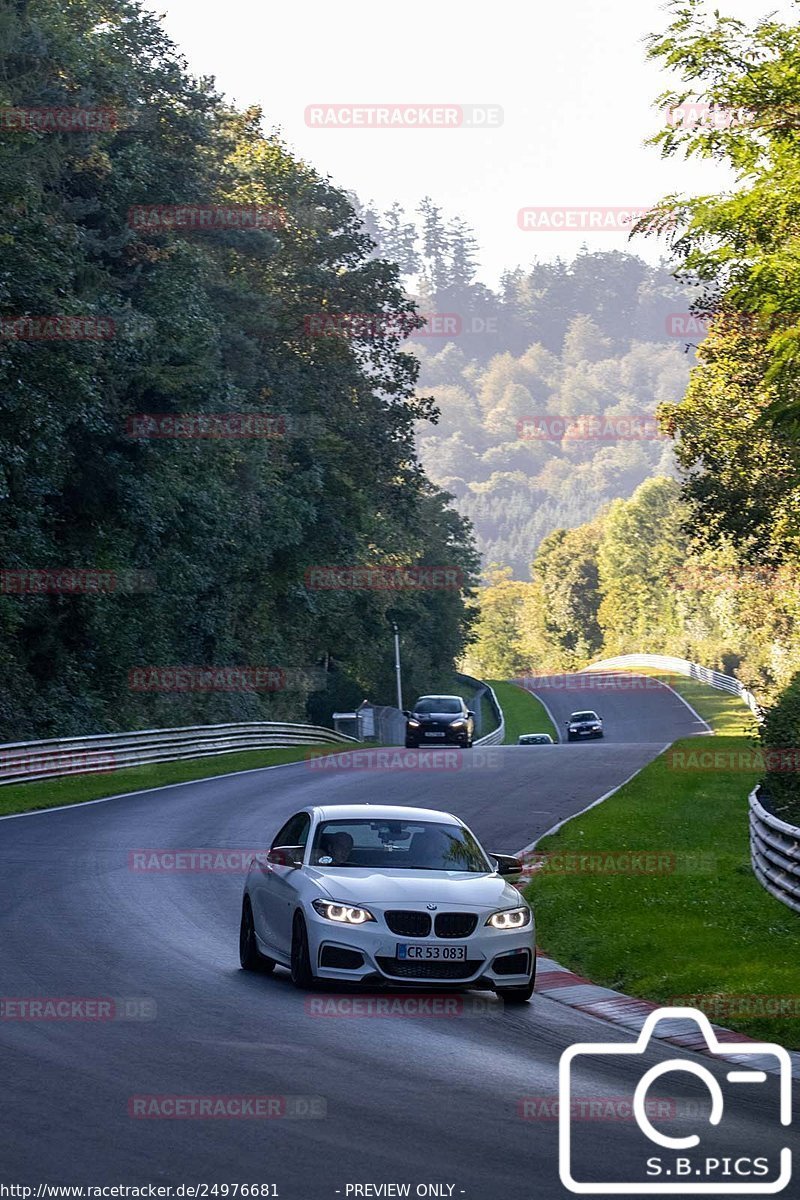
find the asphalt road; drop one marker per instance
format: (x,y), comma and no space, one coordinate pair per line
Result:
(414,1100)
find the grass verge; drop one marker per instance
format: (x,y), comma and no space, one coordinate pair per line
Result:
(703,929)
(522,711)
(75,789)
(488,719)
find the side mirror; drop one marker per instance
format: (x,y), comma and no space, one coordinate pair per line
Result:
(406,712)
(470,713)
(507,864)
(286,856)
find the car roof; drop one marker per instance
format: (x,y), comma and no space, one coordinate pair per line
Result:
(583,710)
(380,812)
(438,696)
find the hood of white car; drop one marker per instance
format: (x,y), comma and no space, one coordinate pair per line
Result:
(363,885)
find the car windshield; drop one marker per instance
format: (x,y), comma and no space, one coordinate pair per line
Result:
(438,704)
(404,845)
(584,716)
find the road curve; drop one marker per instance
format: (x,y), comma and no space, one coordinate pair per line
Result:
(414,1100)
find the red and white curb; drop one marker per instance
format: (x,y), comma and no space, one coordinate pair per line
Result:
(557,983)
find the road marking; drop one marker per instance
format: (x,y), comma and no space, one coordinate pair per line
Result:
(162,787)
(555,828)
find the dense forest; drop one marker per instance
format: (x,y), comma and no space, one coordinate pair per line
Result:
(161,258)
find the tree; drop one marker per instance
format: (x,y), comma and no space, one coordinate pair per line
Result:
(642,546)
(495,651)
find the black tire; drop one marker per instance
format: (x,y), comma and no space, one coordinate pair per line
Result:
(411,745)
(519,995)
(570,738)
(250,956)
(302,975)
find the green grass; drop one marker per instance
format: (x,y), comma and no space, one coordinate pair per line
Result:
(522,711)
(75,789)
(705,927)
(488,719)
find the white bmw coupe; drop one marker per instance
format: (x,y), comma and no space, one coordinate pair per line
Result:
(394,896)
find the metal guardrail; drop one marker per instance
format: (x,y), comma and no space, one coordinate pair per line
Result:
(775,853)
(23,762)
(498,735)
(682,666)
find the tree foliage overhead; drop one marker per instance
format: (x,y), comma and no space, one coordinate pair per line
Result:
(739,422)
(205,321)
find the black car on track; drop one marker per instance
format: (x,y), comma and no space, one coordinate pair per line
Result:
(439,721)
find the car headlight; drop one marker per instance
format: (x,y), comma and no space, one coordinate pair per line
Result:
(458,724)
(573,728)
(343,914)
(510,918)
(415,723)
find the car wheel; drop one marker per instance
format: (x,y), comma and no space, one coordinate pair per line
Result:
(570,738)
(302,975)
(411,745)
(517,995)
(250,956)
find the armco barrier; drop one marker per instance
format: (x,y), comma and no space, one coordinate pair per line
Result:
(498,735)
(22,762)
(775,853)
(681,666)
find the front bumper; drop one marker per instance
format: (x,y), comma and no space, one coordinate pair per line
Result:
(437,737)
(377,945)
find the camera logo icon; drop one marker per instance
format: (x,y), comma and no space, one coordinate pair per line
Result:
(712,1161)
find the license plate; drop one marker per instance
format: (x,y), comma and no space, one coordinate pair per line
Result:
(431,953)
(429,733)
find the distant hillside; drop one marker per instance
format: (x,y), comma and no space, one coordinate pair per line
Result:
(537,383)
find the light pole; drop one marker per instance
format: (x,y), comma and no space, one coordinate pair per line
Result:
(397,667)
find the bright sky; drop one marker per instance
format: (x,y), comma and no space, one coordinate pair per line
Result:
(570,77)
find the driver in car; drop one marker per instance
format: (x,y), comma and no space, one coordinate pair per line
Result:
(335,848)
